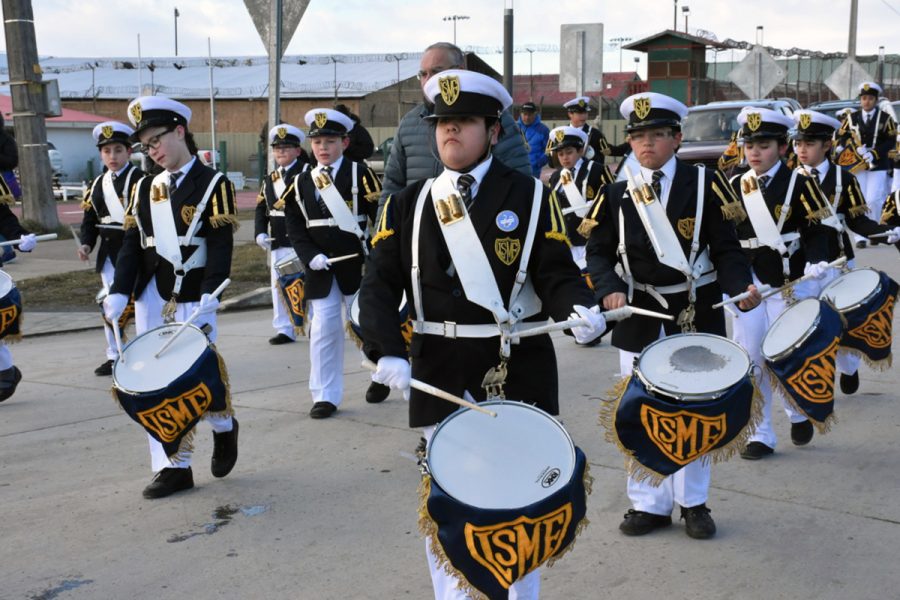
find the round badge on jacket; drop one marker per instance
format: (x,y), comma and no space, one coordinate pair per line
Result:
(507,221)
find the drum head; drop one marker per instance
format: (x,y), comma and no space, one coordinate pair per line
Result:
(693,366)
(518,458)
(851,289)
(354,310)
(289,264)
(790,328)
(141,372)
(6,283)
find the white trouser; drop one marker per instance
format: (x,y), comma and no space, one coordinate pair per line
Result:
(445,586)
(107,274)
(148,315)
(875,186)
(281,319)
(895,184)
(749,328)
(688,486)
(326,345)
(6,360)
(845,362)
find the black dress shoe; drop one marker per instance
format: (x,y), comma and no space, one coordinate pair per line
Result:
(9,381)
(168,481)
(849,383)
(225,451)
(104,370)
(698,523)
(638,522)
(281,339)
(755,451)
(861,244)
(322,410)
(377,392)
(801,433)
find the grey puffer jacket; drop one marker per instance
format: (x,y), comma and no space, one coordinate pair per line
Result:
(414,156)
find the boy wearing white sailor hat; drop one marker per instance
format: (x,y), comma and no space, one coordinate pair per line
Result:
(107,198)
(327,211)
(655,279)
(176,251)
(269,226)
(578,109)
(452,265)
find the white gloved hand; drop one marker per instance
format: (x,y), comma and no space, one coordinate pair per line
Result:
(262,240)
(84,252)
(584,334)
(894,236)
(861,150)
(868,157)
(28,242)
(114,305)
(816,270)
(208,304)
(394,372)
(319,263)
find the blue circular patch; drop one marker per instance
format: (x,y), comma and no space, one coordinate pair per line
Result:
(507,221)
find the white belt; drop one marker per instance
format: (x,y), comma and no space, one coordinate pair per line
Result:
(788,238)
(658,291)
(331,222)
(150,241)
(449,329)
(276,213)
(107,220)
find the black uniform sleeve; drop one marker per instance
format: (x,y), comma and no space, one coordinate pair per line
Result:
(129,257)
(222,214)
(295,222)
(89,230)
(602,223)
(261,215)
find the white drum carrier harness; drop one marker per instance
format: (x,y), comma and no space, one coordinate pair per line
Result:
(768,233)
(575,197)
(477,278)
(165,236)
(698,269)
(342,217)
(115,208)
(279,184)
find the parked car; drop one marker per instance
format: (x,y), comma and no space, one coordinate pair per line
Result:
(707,129)
(831,107)
(56,159)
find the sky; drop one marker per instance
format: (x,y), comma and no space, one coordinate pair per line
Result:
(95,28)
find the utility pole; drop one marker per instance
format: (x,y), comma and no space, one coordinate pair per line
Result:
(274,51)
(851,39)
(28,102)
(177,14)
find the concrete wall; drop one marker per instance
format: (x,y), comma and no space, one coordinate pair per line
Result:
(76,146)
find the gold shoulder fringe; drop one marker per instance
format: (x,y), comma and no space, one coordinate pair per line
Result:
(373,196)
(279,204)
(7,199)
(586,226)
(822,427)
(558,236)
(858,210)
(13,338)
(382,235)
(130,222)
(86,205)
(223,220)
(734,211)
(819,214)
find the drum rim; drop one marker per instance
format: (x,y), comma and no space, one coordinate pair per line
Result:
(862,302)
(487,404)
(688,396)
(135,339)
(798,343)
(4,278)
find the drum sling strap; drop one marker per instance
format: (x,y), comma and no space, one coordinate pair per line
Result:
(166,239)
(475,274)
(574,196)
(115,209)
(342,217)
(768,233)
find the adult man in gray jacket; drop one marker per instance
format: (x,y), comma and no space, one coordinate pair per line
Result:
(413,155)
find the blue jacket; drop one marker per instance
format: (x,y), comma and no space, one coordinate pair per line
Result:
(536,136)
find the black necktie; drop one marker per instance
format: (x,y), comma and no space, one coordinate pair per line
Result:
(656,185)
(814,172)
(281,172)
(464,187)
(322,205)
(763,181)
(173,181)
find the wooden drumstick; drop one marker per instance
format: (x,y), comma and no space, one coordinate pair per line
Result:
(38,238)
(436,391)
(616,314)
(331,261)
(118,335)
(191,318)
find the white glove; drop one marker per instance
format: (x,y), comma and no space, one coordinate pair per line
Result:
(894,236)
(319,263)
(861,150)
(394,372)
(816,270)
(584,334)
(28,242)
(84,252)
(208,304)
(262,240)
(868,157)
(114,305)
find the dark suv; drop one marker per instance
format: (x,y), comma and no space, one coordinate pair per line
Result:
(707,129)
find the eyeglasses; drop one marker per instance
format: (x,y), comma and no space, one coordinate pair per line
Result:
(425,74)
(154,142)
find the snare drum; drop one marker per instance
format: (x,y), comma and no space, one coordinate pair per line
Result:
(799,349)
(502,495)
(866,298)
(127,315)
(10,308)
(691,396)
(290,281)
(168,395)
(406,326)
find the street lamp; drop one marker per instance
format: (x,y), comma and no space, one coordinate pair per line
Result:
(759,34)
(620,41)
(530,73)
(455,18)
(675,17)
(685,10)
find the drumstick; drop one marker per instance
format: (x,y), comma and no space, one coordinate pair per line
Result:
(191,318)
(111,226)
(331,261)
(616,314)
(770,291)
(572,209)
(436,391)
(118,335)
(883,234)
(37,238)
(735,299)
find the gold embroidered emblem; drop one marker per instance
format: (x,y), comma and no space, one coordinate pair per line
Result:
(779,208)
(814,381)
(686,227)
(8,316)
(581,103)
(507,249)
(642,107)
(107,131)
(281,132)
(172,416)
(294,293)
(876,331)
(187,214)
(136,112)
(321,119)
(510,550)
(449,87)
(754,120)
(560,135)
(590,193)
(682,436)
(805,120)
(866,87)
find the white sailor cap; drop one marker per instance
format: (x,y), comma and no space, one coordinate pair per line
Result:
(566,137)
(327,122)
(458,93)
(869,88)
(812,125)
(758,123)
(285,135)
(845,112)
(650,109)
(112,132)
(156,111)
(579,104)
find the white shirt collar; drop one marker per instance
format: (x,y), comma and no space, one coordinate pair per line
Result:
(478,173)
(335,166)
(822,168)
(771,172)
(122,170)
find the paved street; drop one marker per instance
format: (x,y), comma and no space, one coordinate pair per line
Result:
(327,509)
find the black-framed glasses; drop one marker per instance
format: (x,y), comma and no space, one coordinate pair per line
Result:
(154,142)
